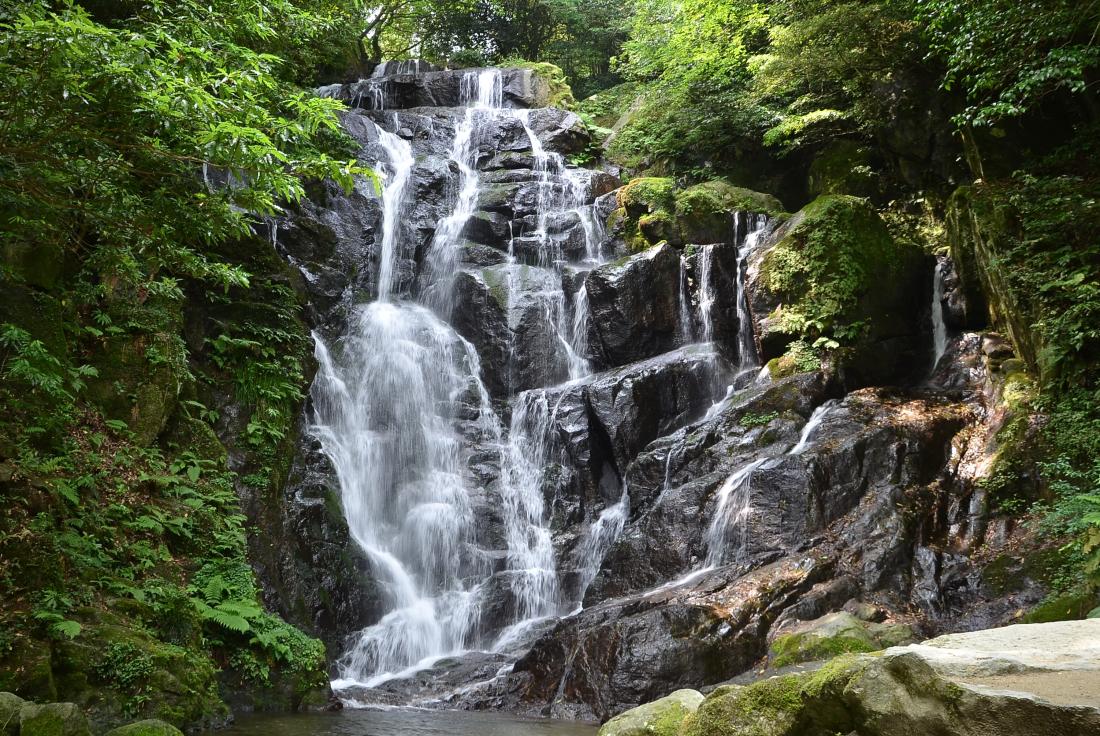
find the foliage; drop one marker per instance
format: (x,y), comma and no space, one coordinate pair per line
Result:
(757,420)
(829,67)
(579,36)
(1006,56)
(106,130)
(692,58)
(139,145)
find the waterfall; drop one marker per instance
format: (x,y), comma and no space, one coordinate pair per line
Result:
(385,410)
(579,340)
(384,415)
(687,333)
(531,564)
(939,327)
(731,516)
(400,410)
(706,292)
(397,174)
(746,340)
(481,93)
(566,195)
(815,420)
(603,533)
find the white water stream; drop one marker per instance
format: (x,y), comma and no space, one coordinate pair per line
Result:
(388,399)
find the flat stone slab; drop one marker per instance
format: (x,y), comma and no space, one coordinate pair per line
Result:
(1057,662)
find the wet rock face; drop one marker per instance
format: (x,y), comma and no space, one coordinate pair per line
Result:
(312,571)
(634,306)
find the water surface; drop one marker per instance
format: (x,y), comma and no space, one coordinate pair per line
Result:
(404,722)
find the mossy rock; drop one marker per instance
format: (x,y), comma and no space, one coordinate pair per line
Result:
(10,705)
(648,194)
(704,211)
(26,670)
(559,93)
(148,727)
(844,167)
(833,635)
(660,718)
(53,719)
(836,275)
(1070,606)
(658,226)
(645,216)
(130,388)
(789,705)
(114,667)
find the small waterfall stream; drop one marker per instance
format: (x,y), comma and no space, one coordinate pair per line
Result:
(939,326)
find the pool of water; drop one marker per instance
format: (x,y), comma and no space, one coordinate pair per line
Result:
(403,722)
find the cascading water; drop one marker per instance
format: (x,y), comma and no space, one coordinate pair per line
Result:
(603,533)
(385,409)
(706,292)
(815,420)
(398,170)
(531,564)
(481,95)
(939,327)
(746,340)
(731,515)
(687,331)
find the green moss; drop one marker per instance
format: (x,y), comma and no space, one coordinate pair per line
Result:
(10,705)
(52,719)
(840,278)
(654,228)
(148,727)
(768,708)
(560,94)
(720,197)
(799,358)
(794,648)
(648,194)
(1069,606)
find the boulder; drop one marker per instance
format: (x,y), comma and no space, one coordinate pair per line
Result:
(10,705)
(634,306)
(833,273)
(660,718)
(640,402)
(704,212)
(1029,680)
(481,316)
(558,130)
(831,635)
(148,727)
(53,719)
